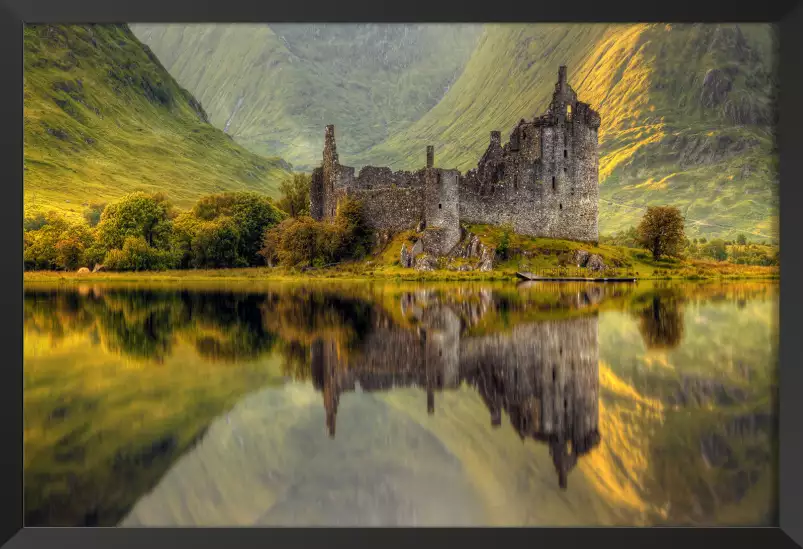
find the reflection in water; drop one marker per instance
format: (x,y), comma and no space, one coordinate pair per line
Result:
(544,375)
(123,381)
(661,320)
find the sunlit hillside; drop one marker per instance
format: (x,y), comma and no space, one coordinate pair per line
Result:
(686,115)
(103,118)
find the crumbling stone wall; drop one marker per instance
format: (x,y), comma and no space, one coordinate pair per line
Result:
(544,182)
(441,210)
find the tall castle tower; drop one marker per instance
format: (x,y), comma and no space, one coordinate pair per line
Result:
(569,160)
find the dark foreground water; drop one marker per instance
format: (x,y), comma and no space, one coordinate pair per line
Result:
(400,404)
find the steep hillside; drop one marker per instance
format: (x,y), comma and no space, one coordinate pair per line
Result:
(274,87)
(103,118)
(686,115)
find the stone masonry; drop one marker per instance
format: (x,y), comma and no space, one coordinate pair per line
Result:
(544,182)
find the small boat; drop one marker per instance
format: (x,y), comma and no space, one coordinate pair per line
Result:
(531,276)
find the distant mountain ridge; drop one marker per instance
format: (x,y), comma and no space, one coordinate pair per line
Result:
(274,87)
(104,118)
(688,110)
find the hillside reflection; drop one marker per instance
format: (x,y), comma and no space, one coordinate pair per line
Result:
(530,352)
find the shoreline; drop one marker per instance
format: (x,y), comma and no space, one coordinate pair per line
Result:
(260,274)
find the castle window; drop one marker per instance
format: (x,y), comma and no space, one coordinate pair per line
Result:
(565,170)
(568,112)
(553,182)
(565,140)
(439,207)
(561,206)
(565,153)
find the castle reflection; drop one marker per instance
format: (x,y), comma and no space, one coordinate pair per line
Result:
(543,374)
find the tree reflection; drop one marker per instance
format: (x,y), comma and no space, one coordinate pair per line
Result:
(661,320)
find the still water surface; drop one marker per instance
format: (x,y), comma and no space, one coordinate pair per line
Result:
(400,404)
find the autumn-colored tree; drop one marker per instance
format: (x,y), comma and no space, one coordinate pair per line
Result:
(661,231)
(303,241)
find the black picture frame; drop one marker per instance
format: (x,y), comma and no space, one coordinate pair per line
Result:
(787,13)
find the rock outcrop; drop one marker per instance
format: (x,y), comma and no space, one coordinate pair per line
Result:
(585,259)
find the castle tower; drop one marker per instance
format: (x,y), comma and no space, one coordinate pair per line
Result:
(569,163)
(330,181)
(441,207)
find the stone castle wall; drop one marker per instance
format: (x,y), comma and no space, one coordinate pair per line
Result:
(544,182)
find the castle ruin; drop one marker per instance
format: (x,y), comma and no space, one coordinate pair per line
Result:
(544,182)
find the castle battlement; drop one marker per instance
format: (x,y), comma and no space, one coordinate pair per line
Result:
(544,182)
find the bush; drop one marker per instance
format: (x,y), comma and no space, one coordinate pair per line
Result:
(137,255)
(503,249)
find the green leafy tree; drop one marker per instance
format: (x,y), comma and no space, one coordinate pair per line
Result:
(93,212)
(185,228)
(34,221)
(137,255)
(716,249)
(138,214)
(661,231)
(251,212)
(353,231)
(295,195)
(215,244)
(741,240)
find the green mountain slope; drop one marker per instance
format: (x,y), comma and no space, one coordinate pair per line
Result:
(274,87)
(103,118)
(686,116)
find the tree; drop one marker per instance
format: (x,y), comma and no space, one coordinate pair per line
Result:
(93,212)
(251,213)
(215,244)
(741,240)
(716,250)
(302,241)
(661,231)
(137,255)
(295,195)
(661,322)
(57,244)
(138,214)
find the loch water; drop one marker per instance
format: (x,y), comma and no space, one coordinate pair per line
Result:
(400,404)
